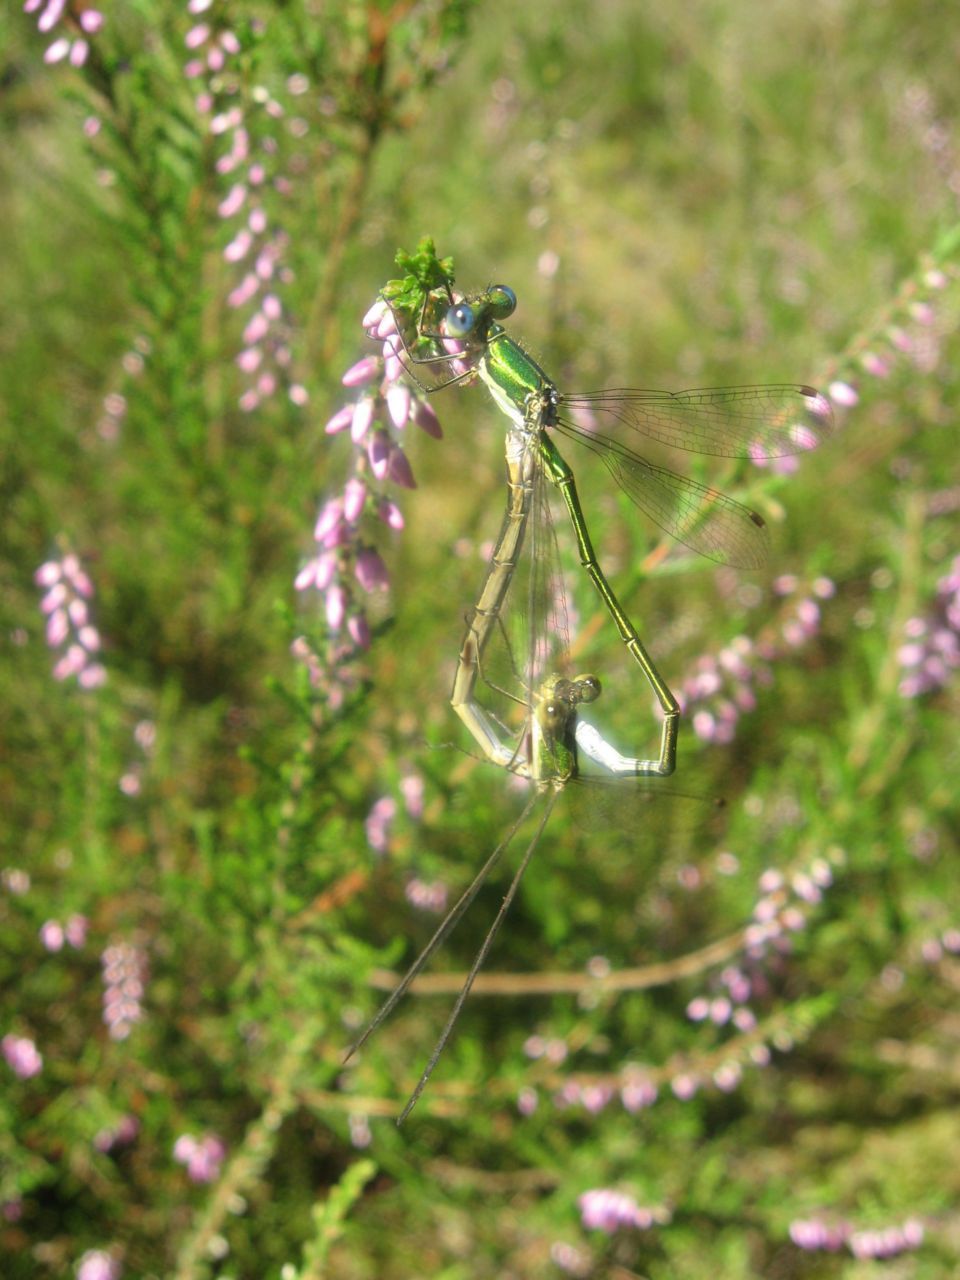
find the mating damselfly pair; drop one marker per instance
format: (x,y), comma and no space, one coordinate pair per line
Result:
(438,338)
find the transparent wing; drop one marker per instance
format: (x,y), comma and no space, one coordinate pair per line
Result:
(532,639)
(702,518)
(725,422)
(547,613)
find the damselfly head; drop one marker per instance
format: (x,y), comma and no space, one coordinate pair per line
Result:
(475,318)
(587,688)
(459,320)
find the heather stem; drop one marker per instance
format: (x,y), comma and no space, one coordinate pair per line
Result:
(247,1165)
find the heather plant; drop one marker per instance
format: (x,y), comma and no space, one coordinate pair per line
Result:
(237,554)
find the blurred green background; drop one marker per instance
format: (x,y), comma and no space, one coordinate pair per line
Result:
(684,195)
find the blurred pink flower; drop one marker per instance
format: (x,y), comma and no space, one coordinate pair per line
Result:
(22,1056)
(202,1156)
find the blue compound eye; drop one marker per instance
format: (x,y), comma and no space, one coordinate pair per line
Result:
(459,320)
(502,301)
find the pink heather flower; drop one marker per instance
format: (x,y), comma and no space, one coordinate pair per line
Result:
(22,1056)
(51,15)
(637,1093)
(727,1077)
(922,312)
(568,1095)
(527,1101)
(326,530)
(375,314)
(358,629)
(237,250)
(595,1097)
(130,783)
(555,1050)
(425,418)
(58,628)
(533,1046)
(250,359)
(390,514)
(197,36)
(412,789)
(55,597)
(76,930)
(387,328)
(685,1086)
(392,365)
(611,1211)
(362,417)
(426,896)
(698,1009)
(378,823)
(720,1010)
(244,291)
(57,51)
(52,935)
(92,677)
(900,339)
(318,572)
(124,967)
(354,498)
(68,589)
(378,451)
(370,570)
(48,573)
(340,420)
(362,372)
(812,1234)
(202,1157)
(97,1264)
(398,468)
(875,365)
(399,404)
(704,726)
(336,607)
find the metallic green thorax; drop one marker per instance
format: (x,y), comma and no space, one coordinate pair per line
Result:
(519,386)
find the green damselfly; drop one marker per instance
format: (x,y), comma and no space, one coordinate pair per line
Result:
(458,340)
(549,746)
(548,755)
